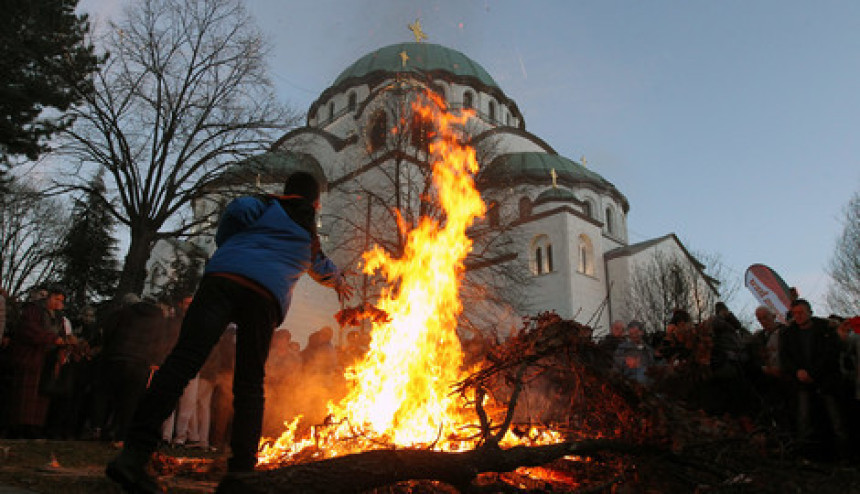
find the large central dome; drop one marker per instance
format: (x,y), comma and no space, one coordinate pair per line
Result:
(424,57)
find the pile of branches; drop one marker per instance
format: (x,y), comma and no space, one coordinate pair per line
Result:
(613,432)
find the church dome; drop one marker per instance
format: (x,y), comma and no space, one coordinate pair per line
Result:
(537,168)
(555,194)
(423,57)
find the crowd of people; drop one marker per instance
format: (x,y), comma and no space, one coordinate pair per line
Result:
(81,378)
(800,378)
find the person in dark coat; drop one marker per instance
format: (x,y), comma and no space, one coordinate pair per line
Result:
(265,244)
(39,330)
(131,339)
(809,357)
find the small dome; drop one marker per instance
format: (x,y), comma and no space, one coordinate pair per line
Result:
(555,194)
(423,57)
(536,168)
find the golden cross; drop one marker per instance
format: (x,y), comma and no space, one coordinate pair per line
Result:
(415,27)
(584,163)
(403,58)
(554,176)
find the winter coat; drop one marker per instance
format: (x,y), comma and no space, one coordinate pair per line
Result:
(258,240)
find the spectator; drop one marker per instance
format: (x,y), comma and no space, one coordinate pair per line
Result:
(634,357)
(675,349)
(616,336)
(222,398)
(173,319)
(283,371)
(130,349)
(39,330)
(809,353)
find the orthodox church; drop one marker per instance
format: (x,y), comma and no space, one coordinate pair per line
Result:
(555,233)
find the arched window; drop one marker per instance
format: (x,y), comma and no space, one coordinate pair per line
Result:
(422,130)
(468,99)
(541,255)
(586,256)
(525,207)
(331,110)
(378,131)
(508,119)
(491,111)
(352,101)
(493,214)
(588,208)
(610,220)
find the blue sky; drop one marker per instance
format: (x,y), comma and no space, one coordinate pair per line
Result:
(734,124)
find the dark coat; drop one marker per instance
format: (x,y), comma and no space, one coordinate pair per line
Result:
(820,360)
(134,334)
(34,337)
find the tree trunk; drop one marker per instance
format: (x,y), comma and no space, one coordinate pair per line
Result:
(133,275)
(372,469)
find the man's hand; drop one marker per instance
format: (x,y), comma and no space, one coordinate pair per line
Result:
(804,376)
(343,289)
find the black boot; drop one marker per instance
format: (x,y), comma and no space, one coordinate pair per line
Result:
(128,469)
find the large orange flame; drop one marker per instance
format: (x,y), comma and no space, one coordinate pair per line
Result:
(400,393)
(402,388)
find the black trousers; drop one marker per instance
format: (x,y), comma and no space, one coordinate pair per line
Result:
(218,302)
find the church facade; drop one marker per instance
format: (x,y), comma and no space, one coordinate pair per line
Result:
(555,234)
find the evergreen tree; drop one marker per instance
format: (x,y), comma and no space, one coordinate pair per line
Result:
(186,271)
(46,66)
(89,267)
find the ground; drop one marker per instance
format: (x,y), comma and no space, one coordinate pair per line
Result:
(77,467)
(73,467)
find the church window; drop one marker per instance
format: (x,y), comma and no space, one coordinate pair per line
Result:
(468,99)
(508,119)
(422,130)
(331,110)
(493,214)
(525,207)
(541,258)
(352,101)
(492,111)
(378,131)
(610,220)
(588,208)
(586,256)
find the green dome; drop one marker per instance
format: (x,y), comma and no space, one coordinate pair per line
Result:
(423,57)
(536,167)
(555,194)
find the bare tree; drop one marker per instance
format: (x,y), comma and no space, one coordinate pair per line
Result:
(391,189)
(843,295)
(666,282)
(183,94)
(32,228)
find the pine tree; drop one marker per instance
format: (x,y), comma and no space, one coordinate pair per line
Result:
(46,63)
(89,267)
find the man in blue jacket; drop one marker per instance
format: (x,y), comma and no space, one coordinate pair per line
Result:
(264,246)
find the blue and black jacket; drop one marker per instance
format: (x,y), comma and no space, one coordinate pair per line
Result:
(271,241)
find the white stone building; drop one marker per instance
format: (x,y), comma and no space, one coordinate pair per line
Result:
(560,227)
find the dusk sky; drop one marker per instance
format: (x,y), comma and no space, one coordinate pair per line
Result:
(734,124)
